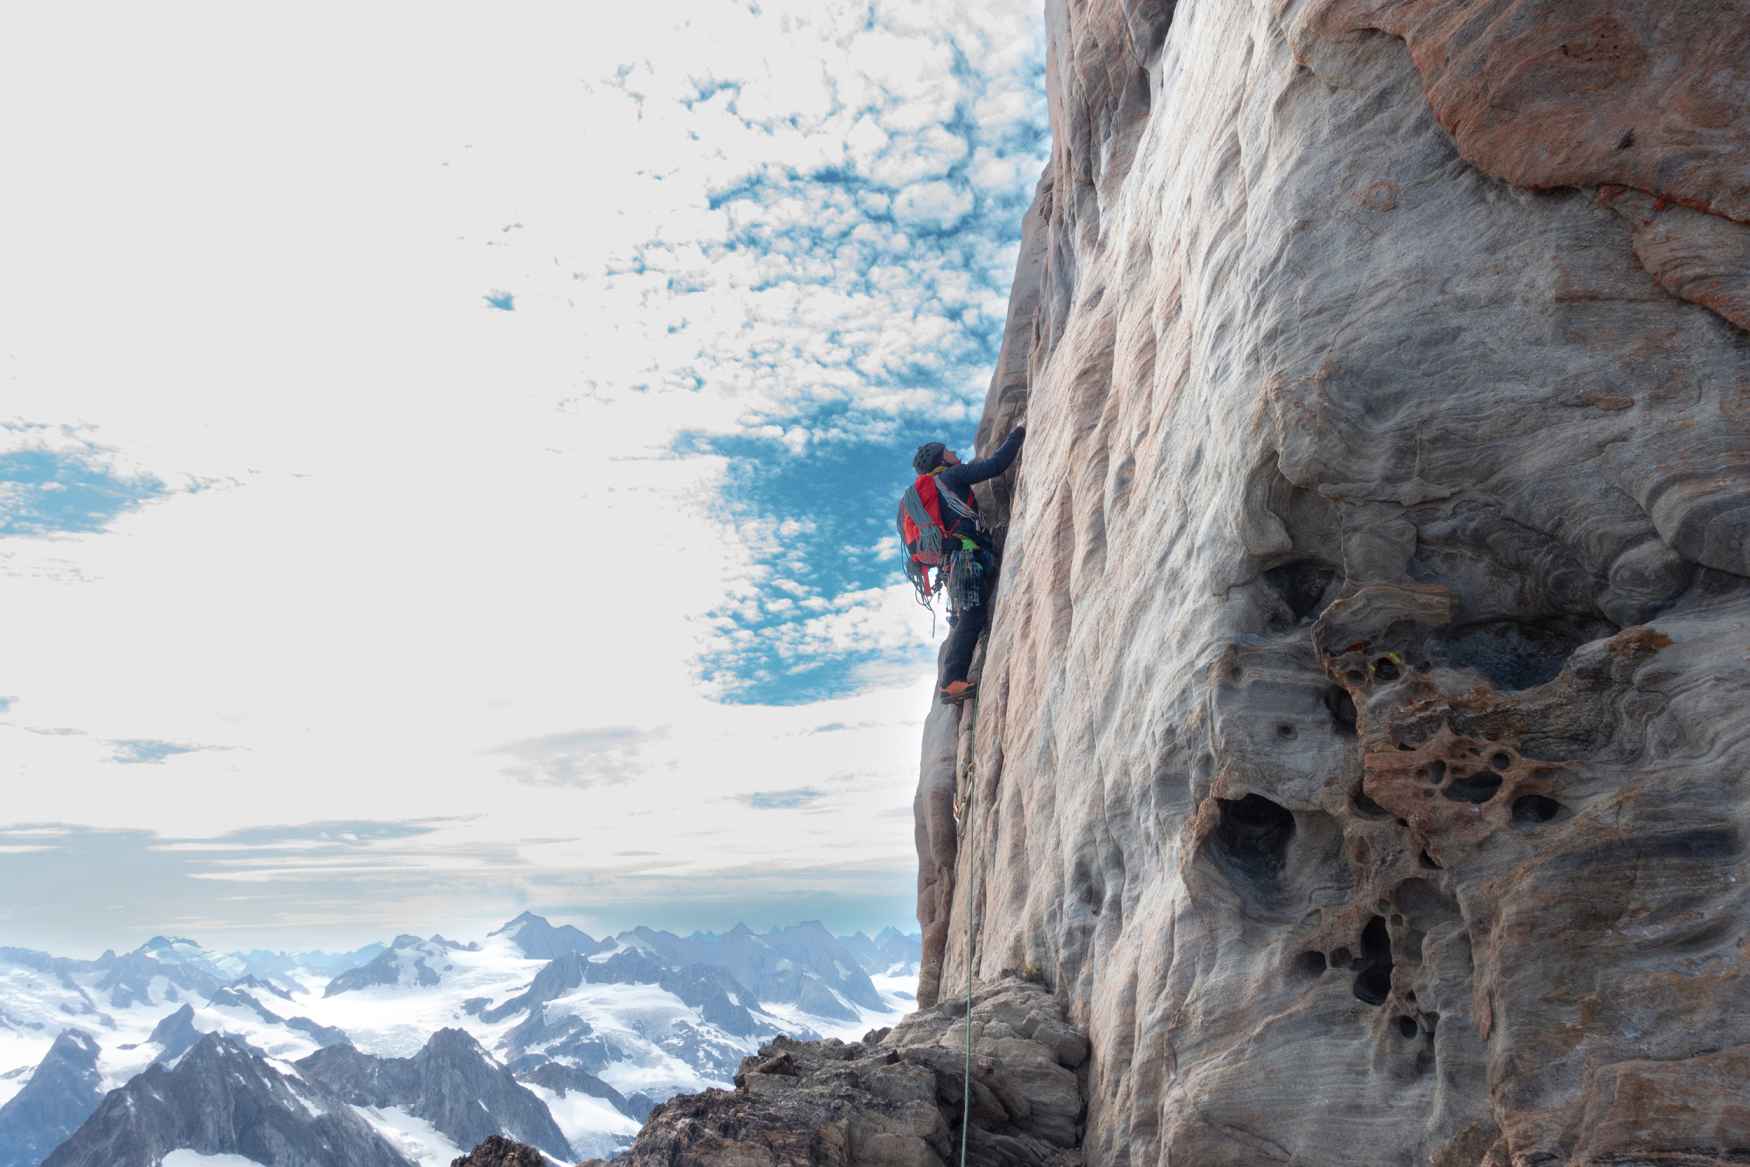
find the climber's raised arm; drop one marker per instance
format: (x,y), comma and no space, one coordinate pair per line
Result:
(967,473)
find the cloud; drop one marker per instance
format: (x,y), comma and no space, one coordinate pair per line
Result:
(793,799)
(580,758)
(402,544)
(145,751)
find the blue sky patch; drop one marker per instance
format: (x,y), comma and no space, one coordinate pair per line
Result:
(941,248)
(45,493)
(503,301)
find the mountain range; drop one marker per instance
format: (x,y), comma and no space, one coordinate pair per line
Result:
(411,1051)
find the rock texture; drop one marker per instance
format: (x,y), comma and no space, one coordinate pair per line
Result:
(1362,735)
(894,1099)
(501,1152)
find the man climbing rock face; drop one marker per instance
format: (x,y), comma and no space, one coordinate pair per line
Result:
(939,528)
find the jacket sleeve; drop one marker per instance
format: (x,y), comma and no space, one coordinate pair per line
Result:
(970,472)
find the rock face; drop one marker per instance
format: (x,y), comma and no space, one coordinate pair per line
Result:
(501,1152)
(1362,732)
(60,1095)
(895,1098)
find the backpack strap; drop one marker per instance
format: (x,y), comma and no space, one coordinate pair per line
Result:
(923,548)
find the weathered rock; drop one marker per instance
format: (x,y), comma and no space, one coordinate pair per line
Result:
(499,1151)
(1361,737)
(896,1098)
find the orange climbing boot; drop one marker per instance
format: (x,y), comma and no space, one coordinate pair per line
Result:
(954,692)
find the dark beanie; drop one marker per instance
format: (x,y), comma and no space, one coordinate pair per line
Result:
(928,457)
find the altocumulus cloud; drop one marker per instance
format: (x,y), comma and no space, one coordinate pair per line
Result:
(580,758)
(867,170)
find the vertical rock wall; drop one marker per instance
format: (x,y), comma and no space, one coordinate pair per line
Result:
(1363,750)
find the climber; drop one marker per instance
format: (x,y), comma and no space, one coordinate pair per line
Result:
(939,527)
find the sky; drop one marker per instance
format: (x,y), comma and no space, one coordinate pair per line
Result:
(448,455)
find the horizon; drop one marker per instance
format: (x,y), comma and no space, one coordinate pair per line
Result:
(461,937)
(457,469)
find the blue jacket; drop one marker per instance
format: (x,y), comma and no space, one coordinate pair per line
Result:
(961,478)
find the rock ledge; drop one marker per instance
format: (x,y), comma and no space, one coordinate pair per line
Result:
(894,1099)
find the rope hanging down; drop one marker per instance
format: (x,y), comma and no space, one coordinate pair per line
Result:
(966,1102)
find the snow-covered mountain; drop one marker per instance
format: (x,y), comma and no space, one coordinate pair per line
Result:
(58,1098)
(805,965)
(535,937)
(224,1098)
(451,1084)
(889,951)
(407,961)
(579,1044)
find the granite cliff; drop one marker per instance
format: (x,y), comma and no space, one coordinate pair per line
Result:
(1362,739)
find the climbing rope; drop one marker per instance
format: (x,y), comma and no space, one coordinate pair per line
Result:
(966,1102)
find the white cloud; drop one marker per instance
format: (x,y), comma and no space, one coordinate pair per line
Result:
(430,528)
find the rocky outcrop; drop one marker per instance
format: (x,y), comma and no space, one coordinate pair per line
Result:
(61,1094)
(895,1098)
(501,1152)
(1361,733)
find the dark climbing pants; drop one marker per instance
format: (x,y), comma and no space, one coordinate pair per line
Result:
(962,642)
(969,625)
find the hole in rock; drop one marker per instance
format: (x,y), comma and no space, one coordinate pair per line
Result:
(1427,861)
(1408,1027)
(1473,787)
(1253,835)
(1531,809)
(1339,957)
(1500,761)
(1430,1020)
(1385,668)
(1515,655)
(1342,708)
(1436,771)
(1310,964)
(1373,982)
(1284,730)
(1365,806)
(1301,585)
(1355,676)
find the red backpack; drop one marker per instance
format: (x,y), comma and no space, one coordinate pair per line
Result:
(924,535)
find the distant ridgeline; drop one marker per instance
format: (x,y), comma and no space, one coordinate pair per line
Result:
(410,1052)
